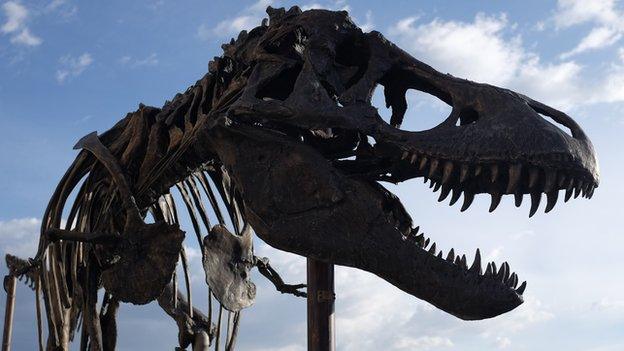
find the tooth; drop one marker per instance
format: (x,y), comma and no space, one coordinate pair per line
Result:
(458,261)
(518,199)
(455,196)
(494,268)
(478,170)
(520,290)
(502,273)
(591,191)
(549,181)
(476,265)
(536,197)
(425,179)
(423,241)
(423,162)
(415,230)
(562,179)
(405,154)
(468,198)
(451,256)
(507,270)
(577,188)
(494,172)
(568,194)
(432,249)
(448,170)
(551,200)
(440,254)
(488,270)
(414,158)
(513,281)
(515,172)
(432,183)
(570,184)
(437,186)
(419,239)
(463,174)
(426,243)
(446,189)
(433,167)
(533,177)
(586,189)
(463,262)
(496,199)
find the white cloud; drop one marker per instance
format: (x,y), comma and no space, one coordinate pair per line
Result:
(368,25)
(422,343)
(608,21)
(19,236)
(15,25)
(502,342)
(574,12)
(25,37)
(608,304)
(72,66)
(149,61)
(599,37)
(488,50)
(252,16)
(249,18)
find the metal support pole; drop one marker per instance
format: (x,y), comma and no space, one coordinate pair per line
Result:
(321,296)
(9,286)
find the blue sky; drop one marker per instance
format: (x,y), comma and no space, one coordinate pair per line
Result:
(68,68)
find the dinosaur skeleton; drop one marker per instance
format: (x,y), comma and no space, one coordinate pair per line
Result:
(281,135)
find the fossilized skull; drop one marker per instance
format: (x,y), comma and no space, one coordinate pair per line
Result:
(296,143)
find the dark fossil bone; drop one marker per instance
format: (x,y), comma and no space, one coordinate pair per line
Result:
(282,133)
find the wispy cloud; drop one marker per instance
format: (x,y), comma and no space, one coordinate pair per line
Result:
(503,59)
(71,66)
(19,236)
(16,24)
(63,8)
(248,18)
(133,62)
(607,19)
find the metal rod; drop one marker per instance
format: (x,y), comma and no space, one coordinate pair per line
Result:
(9,286)
(321,297)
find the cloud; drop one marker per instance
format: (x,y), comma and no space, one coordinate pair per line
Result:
(19,236)
(502,342)
(72,66)
(15,25)
(608,21)
(248,18)
(62,8)
(368,25)
(148,61)
(608,305)
(252,16)
(488,50)
(422,343)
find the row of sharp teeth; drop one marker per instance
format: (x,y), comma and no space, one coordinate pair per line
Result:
(502,274)
(552,181)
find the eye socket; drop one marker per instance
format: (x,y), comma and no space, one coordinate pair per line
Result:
(352,57)
(281,86)
(423,111)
